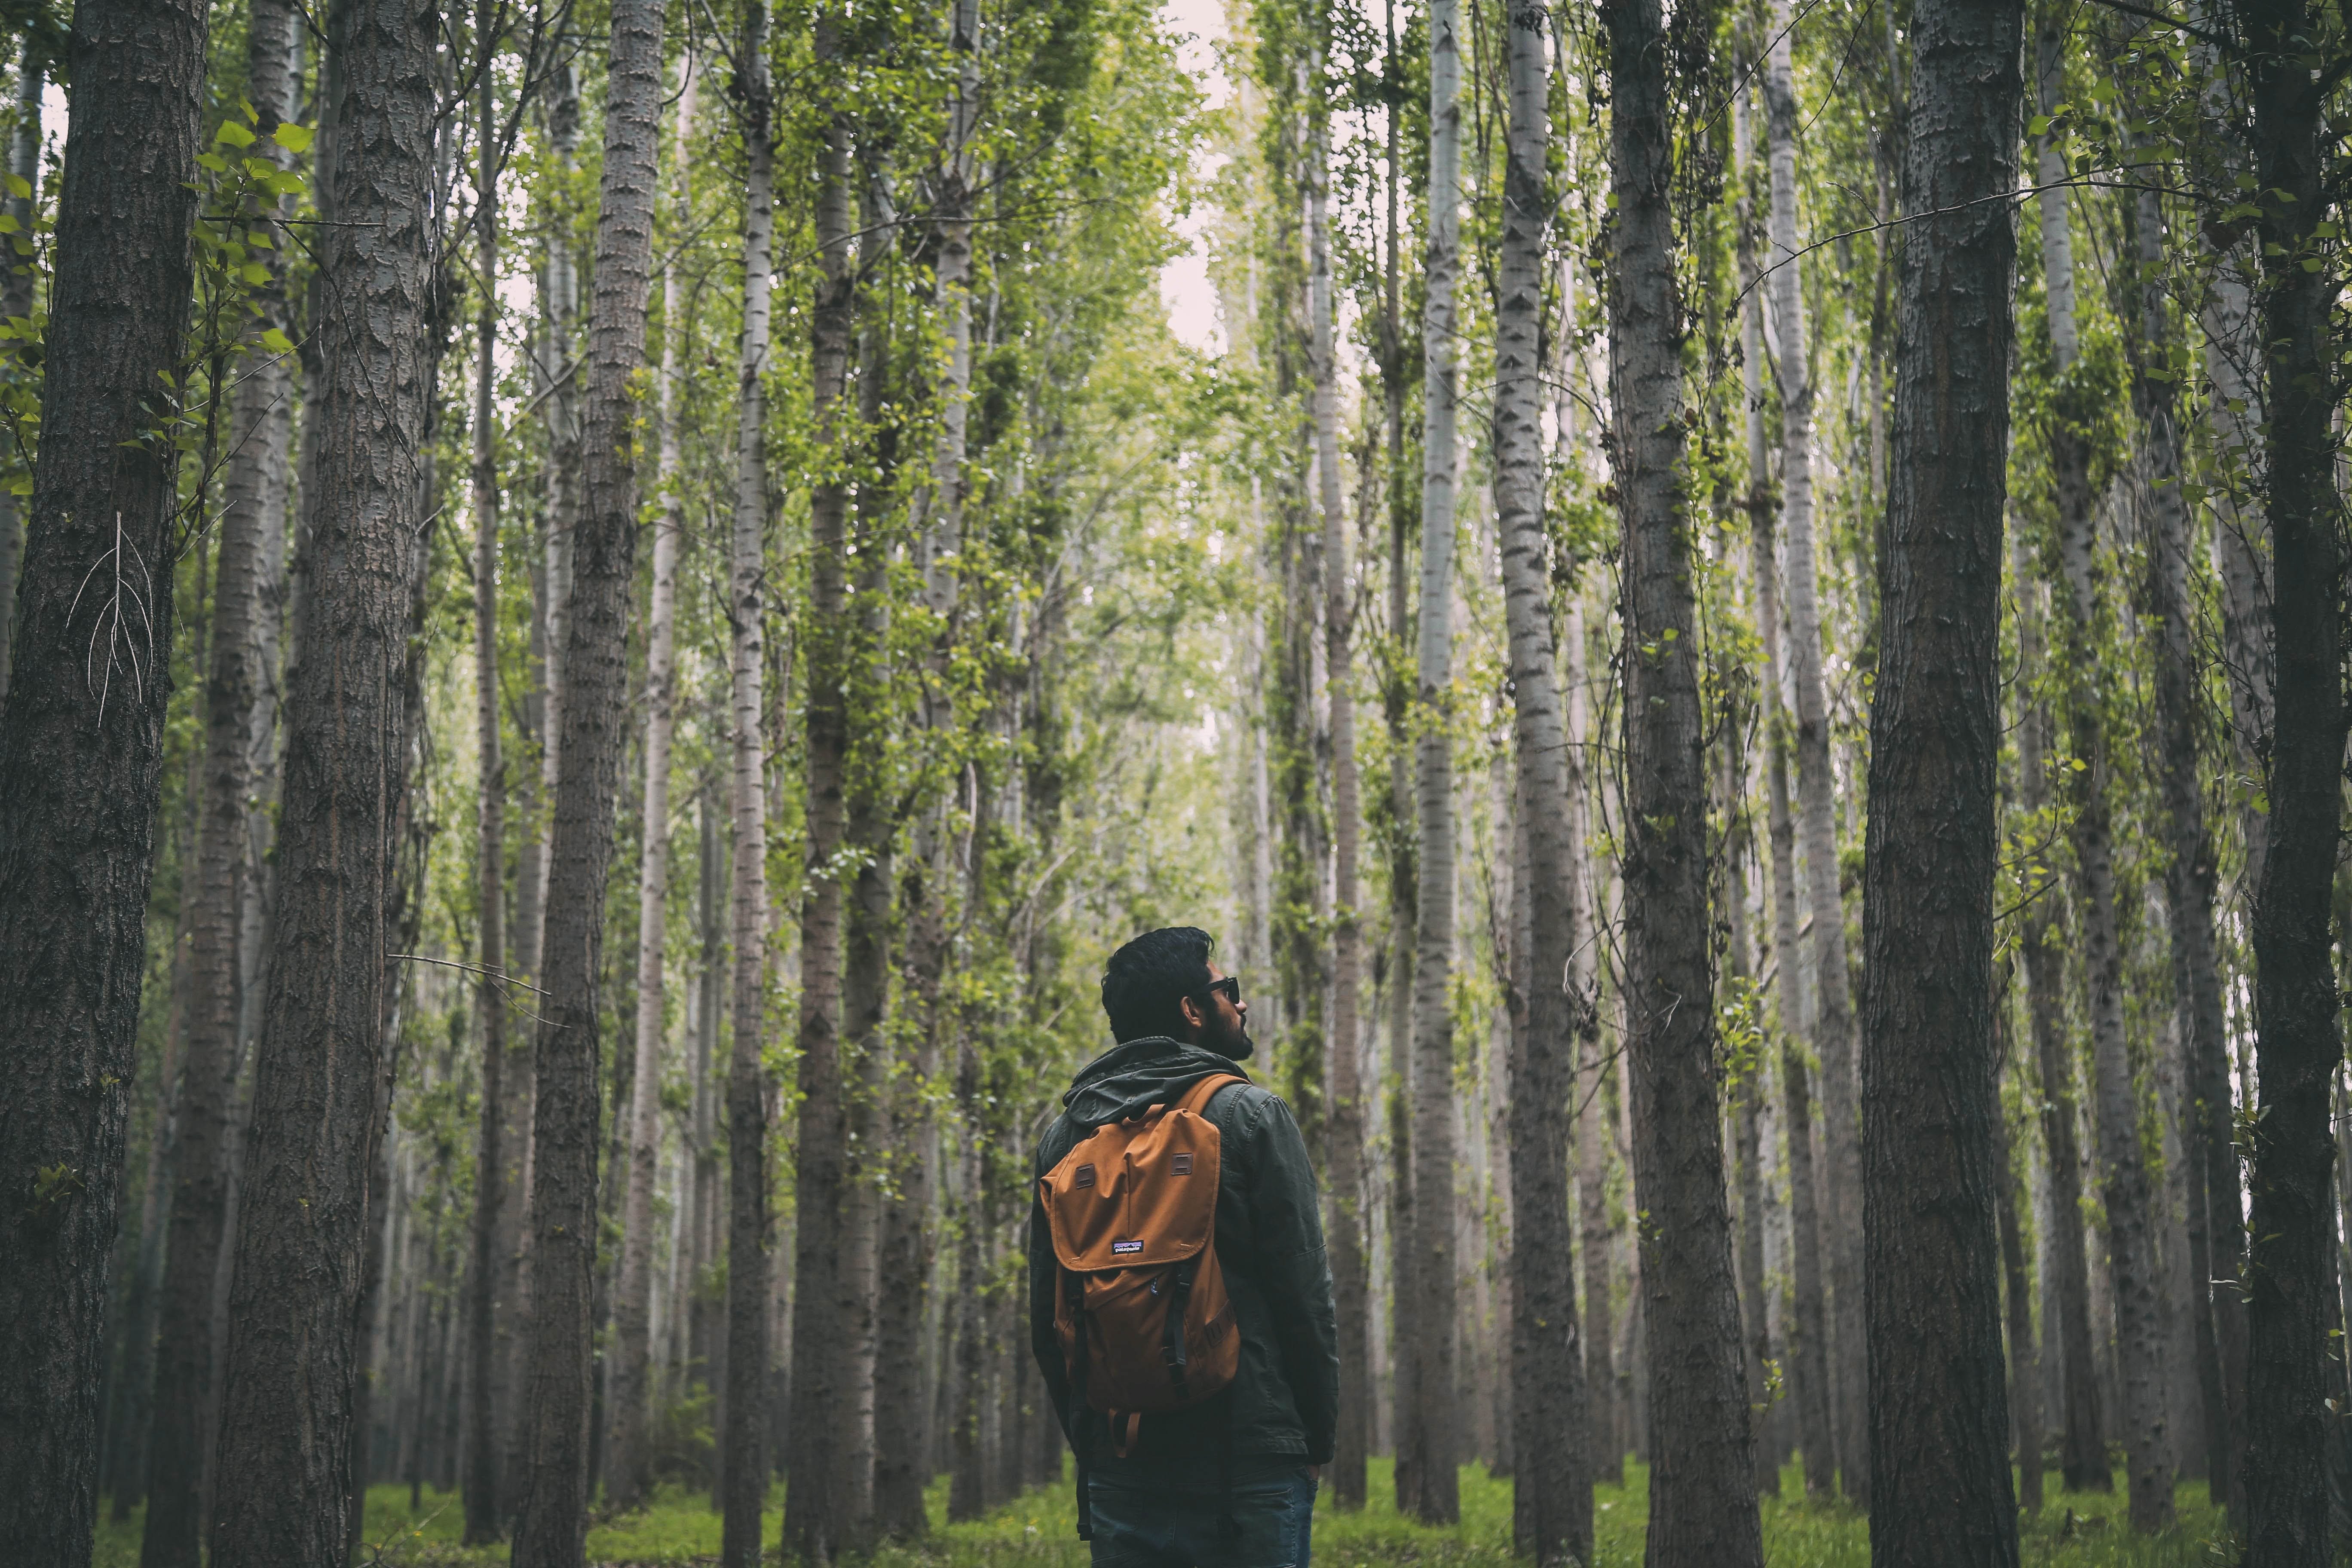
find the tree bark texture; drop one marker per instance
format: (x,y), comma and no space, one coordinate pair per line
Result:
(743,1459)
(905,1435)
(2190,876)
(1702,1481)
(2126,1189)
(1434,1443)
(2083,1459)
(1941,1490)
(483,1516)
(80,739)
(1403,1298)
(2297,1046)
(1832,1012)
(1808,1336)
(1350,1265)
(815,1524)
(1604,1456)
(627,1476)
(296,1348)
(180,1439)
(551,1531)
(1552,1507)
(2017,1302)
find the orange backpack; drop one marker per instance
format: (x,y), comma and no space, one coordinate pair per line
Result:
(1142,1316)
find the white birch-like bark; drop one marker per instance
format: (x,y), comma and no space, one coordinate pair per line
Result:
(1350,1278)
(2125,1186)
(1432,1442)
(1832,1016)
(1553,1506)
(744,1469)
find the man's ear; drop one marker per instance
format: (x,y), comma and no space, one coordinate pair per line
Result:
(1190,1010)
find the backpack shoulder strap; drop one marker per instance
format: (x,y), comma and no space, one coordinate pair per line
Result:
(1196,1098)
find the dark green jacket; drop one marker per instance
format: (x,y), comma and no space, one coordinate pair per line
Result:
(1284,1400)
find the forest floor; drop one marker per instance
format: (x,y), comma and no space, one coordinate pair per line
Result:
(2076,1530)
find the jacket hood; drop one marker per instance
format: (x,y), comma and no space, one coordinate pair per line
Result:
(1129,1080)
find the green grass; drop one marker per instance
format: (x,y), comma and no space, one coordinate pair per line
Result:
(2074,1530)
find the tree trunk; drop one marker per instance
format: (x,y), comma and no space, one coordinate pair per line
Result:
(1604,1454)
(905,1399)
(286,1429)
(551,1531)
(1432,1441)
(2024,1361)
(1350,1278)
(627,1476)
(2297,1046)
(2190,876)
(2241,534)
(2131,1242)
(1396,704)
(743,1455)
(128,1415)
(557,376)
(1552,1511)
(1746,1116)
(1703,1480)
(483,1513)
(1809,1363)
(704,1331)
(80,745)
(2082,1460)
(967,1484)
(180,1443)
(16,299)
(815,1521)
(1940,1423)
(1817,796)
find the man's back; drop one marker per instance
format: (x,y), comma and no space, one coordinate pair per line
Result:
(1279,1415)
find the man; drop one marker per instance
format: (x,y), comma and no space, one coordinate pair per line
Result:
(1229,1483)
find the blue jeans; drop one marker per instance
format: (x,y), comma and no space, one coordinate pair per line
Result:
(1180,1526)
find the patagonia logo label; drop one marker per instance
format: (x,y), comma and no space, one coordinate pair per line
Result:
(1124,1247)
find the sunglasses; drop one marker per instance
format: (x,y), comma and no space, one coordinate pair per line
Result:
(1230,987)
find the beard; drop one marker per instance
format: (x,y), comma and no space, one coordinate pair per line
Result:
(1233,1044)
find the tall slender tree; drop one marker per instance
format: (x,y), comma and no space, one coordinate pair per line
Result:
(551,1531)
(1553,1496)
(2297,1043)
(179,1442)
(484,1516)
(82,738)
(1431,1442)
(1703,1480)
(1350,1263)
(2082,1454)
(903,1419)
(294,1349)
(1931,1148)
(627,1476)
(815,1524)
(1832,1014)
(2125,1188)
(744,1465)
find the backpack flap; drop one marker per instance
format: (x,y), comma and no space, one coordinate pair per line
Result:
(1142,1316)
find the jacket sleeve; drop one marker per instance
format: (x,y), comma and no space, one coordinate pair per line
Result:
(1286,1216)
(1043,1278)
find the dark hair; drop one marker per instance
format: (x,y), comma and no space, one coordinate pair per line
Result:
(1145,980)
